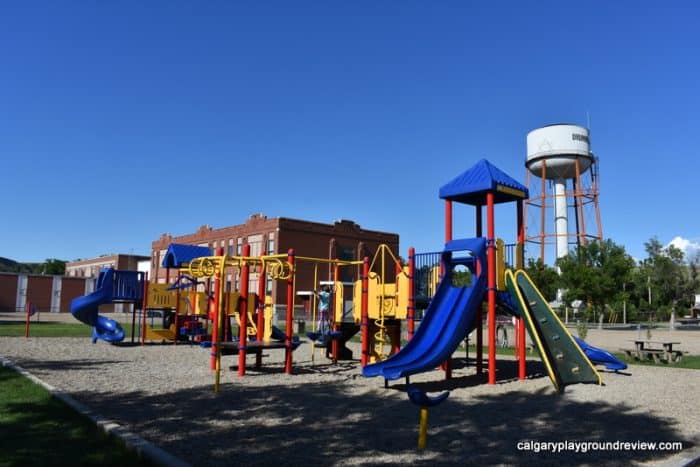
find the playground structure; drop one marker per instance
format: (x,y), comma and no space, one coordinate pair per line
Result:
(454,311)
(256,308)
(387,303)
(112,286)
(381,300)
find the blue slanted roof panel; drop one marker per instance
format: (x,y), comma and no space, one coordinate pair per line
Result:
(179,254)
(471,186)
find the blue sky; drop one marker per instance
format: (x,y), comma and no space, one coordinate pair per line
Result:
(120,121)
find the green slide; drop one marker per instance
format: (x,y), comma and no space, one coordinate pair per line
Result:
(565,361)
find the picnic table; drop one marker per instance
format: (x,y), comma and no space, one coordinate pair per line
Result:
(656,350)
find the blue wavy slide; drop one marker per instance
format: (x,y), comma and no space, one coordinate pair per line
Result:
(85,308)
(447,321)
(600,357)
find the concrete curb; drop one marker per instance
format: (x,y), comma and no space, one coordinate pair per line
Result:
(139,445)
(688,458)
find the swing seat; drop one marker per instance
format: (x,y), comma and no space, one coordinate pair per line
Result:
(421,399)
(314,336)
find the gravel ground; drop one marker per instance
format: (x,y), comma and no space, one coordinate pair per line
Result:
(330,415)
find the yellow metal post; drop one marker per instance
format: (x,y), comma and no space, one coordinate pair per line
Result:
(267,334)
(423,428)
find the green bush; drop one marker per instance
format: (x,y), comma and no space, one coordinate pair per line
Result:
(582,329)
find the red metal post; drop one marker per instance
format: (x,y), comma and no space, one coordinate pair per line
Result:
(364,320)
(411,311)
(215,332)
(28,307)
(479,310)
(448,221)
(290,313)
(448,237)
(491,270)
(243,312)
(143,310)
(176,318)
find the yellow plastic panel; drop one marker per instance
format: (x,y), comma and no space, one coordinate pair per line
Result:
(402,294)
(160,297)
(339,302)
(500,265)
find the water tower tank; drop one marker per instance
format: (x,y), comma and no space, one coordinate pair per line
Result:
(559,156)
(558,147)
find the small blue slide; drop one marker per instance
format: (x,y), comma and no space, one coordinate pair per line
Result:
(447,321)
(85,308)
(601,357)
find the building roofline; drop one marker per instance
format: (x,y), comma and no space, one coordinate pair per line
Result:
(259,217)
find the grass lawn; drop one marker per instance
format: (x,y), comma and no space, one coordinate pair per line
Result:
(37,429)
(689,361)
(46,330)
(51,329)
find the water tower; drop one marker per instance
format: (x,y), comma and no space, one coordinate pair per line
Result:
(562,176)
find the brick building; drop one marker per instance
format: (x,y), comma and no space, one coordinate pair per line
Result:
(53,294)
(47,293)
(91,267)
(343,239)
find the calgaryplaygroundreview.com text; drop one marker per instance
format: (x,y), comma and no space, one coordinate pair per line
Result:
(588,446)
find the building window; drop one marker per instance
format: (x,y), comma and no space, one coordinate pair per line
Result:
(271,244)
(268,287)
(239,247)
(346,253)
(255,242)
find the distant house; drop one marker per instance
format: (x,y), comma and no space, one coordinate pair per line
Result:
(696,306)
(91,267)
(578,306)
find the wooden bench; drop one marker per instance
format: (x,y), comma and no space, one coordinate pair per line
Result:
(653,354)
(658,355)
(644,354)
(677,356)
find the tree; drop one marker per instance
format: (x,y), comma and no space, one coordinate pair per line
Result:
(546,278)
(665,282)
(596,273)
(54,266)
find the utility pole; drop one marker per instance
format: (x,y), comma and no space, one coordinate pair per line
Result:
(624,303)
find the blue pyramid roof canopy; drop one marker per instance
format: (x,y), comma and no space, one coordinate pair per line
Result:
(179,254)
(471,186)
